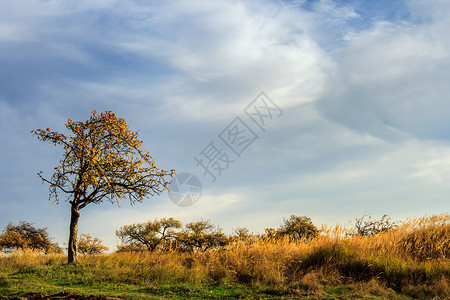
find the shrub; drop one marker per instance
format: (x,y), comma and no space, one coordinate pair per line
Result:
(297,227)
(90,245)
(25,235)
(372,227)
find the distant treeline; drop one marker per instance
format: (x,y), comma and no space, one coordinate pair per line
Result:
(170,234)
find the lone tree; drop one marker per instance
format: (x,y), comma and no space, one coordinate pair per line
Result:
(102,160)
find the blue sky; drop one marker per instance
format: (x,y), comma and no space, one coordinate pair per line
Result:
(363,86)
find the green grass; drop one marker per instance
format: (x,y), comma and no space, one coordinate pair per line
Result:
(75,279)
(87,280)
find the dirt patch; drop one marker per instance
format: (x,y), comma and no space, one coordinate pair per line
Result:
(59,296)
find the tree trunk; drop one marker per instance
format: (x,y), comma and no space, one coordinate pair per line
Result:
(73,235)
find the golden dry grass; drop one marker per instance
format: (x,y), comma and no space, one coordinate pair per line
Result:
(411,259)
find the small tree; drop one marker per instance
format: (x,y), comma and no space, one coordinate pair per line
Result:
(241,234)
(372,227)
(89,245)
(201,235)
(152,234)
(270,233)
(298,227)
(102,159)
(25,235)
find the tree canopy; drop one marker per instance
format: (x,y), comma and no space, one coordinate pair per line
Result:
(167,233)
(298,227)
(102,160)
(26,236)
(201,235)
(90,245)
(151,234)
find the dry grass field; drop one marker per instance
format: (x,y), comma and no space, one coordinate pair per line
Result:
(408,262)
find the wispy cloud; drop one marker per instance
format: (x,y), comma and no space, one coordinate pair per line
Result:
(389,77)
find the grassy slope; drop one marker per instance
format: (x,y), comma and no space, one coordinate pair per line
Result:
(410,262)
(32,281)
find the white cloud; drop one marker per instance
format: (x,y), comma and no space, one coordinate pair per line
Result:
(225,50)
(13,33)
(390,77)
(389,52)
(407,179)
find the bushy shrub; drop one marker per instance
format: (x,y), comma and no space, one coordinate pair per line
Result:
(296,227)
(89,245)
(26,236)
